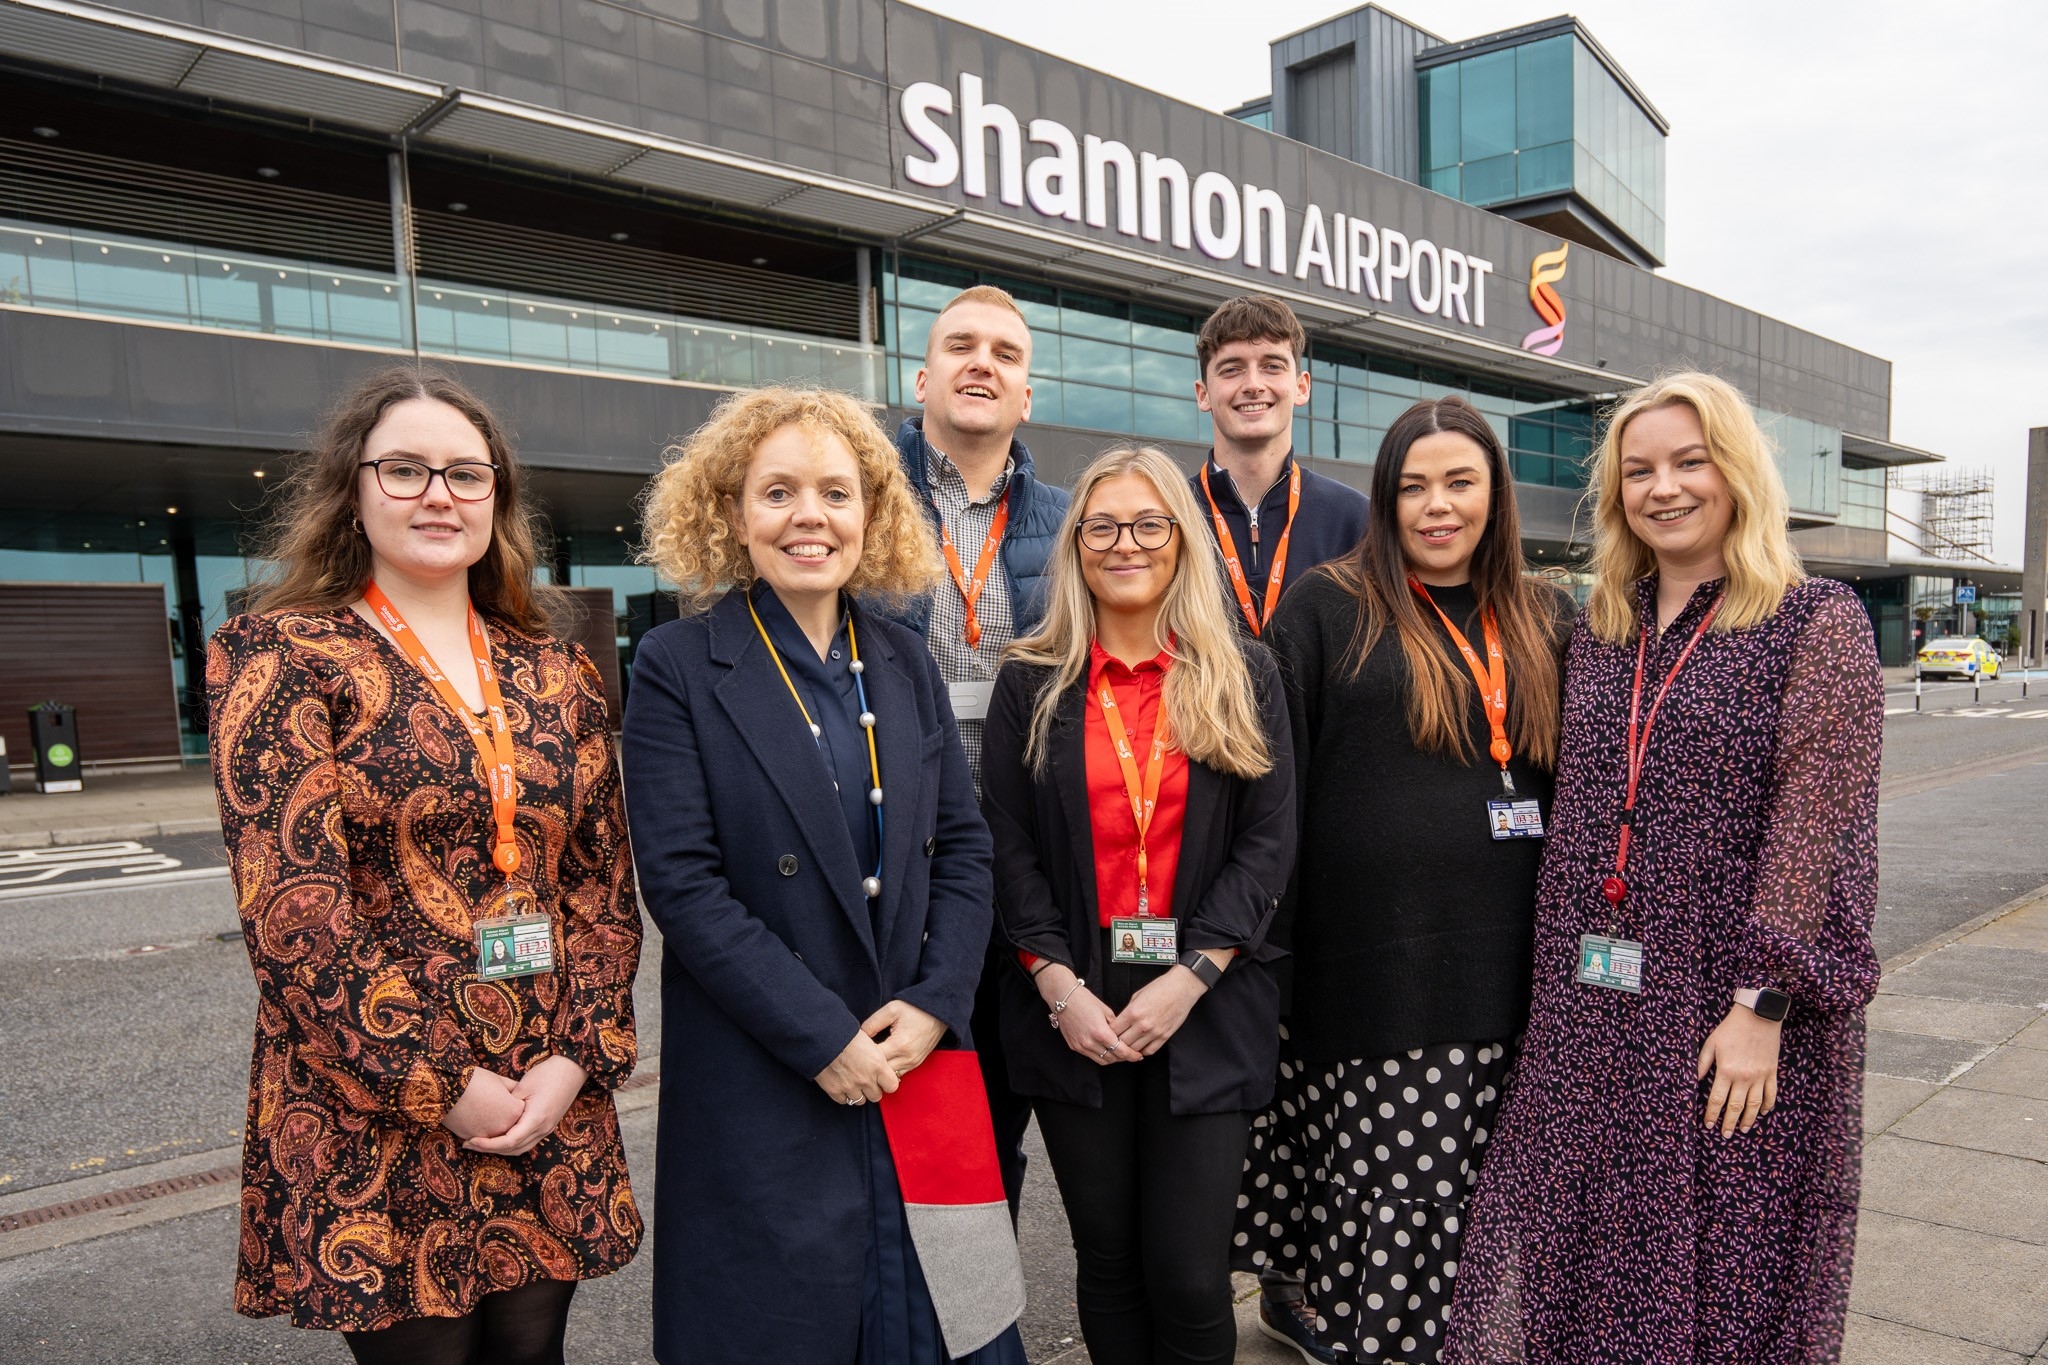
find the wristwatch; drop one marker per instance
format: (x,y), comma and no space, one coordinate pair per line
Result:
(1204,969)
(1768,1003)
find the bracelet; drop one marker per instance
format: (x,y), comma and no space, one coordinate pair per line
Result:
(1060,1007)
(1043,963)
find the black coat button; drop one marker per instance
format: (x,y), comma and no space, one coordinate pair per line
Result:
(929,845)
(786,864)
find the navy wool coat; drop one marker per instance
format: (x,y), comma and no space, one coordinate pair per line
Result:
(771,961)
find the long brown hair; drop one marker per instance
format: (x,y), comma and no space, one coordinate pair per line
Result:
(319,560)
(1440,687)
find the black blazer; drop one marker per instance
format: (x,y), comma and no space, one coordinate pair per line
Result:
(1237,847)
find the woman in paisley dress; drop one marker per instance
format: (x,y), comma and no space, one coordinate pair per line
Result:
(432,1159)
(1673,1177)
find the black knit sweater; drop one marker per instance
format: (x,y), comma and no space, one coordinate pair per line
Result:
(1409,924)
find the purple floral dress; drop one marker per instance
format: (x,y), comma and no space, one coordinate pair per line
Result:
(1608,1225)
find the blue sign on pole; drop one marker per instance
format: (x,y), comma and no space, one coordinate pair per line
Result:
(1966,594)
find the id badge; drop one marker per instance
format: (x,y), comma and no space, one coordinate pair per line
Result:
(1145,942)
(1616,963)
(518,946)
(1521,819)
(970,699)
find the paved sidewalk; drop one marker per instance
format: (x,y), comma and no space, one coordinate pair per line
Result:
(118,806)
(1952,1245)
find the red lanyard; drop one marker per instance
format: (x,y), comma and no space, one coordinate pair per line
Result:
(494,742)
(1492,678)
(1616,887)
(1144,799)
(970,588)
(1236,570)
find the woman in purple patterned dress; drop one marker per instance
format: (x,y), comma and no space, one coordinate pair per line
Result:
(1673,1176)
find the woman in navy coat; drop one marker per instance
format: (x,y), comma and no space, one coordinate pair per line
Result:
(807,840)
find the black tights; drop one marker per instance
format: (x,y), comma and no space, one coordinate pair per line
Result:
(1151,1199)
(522,1326)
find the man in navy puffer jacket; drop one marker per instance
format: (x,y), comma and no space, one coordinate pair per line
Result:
(996,522)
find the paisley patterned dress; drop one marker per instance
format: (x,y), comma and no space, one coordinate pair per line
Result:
(359,826)
(1608,1227)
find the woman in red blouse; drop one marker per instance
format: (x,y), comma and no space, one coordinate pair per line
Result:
(1139,786)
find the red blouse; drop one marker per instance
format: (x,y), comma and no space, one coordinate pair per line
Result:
(1110,823)
(1111,826)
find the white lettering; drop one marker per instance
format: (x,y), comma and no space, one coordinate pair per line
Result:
(1068,176)
(1164,173)
(1315,248)
(1457,279)
(1097,157)
(921,100)
(1212,190)
(977,120)
(1268,206)
(1365,259)
(1393,261)
(1425,250)
(1061,200)
(1480,270)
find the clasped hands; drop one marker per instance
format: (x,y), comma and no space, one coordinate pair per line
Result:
(503,1117)
(891,1043)
(1105,1037)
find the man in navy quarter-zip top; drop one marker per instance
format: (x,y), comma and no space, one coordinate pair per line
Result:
(1273,518)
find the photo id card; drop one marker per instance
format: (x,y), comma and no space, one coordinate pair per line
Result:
(1522,819)
(1616,963)
(1145,942)
(520,946)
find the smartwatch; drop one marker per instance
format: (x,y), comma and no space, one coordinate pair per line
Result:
(1769,1004)
(1198,963)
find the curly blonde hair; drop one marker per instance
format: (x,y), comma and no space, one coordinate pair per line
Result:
(689,535)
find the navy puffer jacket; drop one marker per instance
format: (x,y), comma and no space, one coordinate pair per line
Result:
(1035,513)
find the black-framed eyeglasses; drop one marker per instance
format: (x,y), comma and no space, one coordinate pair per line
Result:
(1101,534)
(465,480)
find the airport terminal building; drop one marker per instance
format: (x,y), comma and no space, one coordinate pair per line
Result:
(605,214)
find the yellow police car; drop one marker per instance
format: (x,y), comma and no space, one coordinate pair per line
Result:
(1958,658)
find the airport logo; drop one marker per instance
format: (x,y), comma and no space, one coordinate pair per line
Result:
(1097,181)
(1547,269)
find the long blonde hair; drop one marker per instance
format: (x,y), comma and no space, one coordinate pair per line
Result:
(1210,710)
(690,536)
(1758,549)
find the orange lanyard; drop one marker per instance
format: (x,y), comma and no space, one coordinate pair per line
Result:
(493,742)
(1236,570)
(970,588)
(1145,798)
(1492,677)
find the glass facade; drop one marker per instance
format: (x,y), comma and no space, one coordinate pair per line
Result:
(1863,504)
(1102,364)
(1810,460)
(1543,118)
(116,275)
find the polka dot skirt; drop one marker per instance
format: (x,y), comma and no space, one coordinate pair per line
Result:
(1356,1181)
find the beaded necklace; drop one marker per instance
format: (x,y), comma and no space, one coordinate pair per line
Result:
(870,886)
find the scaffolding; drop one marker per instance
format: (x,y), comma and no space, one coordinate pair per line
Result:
(1956,507)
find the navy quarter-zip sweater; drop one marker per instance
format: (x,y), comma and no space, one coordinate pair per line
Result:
(1329,522)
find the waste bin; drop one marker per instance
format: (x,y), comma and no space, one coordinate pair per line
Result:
(53,734)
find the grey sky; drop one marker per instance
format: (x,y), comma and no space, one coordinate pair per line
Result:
(1876,172)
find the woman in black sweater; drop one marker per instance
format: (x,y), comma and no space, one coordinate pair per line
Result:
(1424,761)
